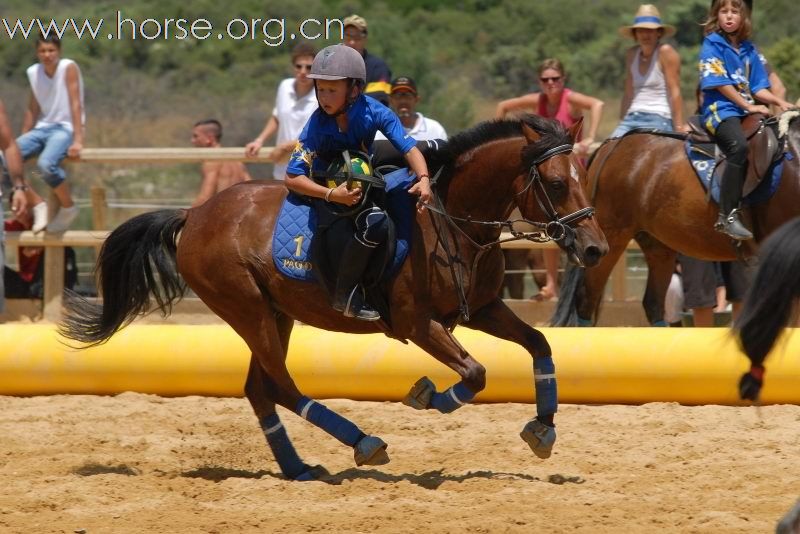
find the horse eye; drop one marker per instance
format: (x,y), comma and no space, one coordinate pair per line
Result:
(558,186)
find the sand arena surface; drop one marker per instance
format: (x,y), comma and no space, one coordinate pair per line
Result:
(142,463)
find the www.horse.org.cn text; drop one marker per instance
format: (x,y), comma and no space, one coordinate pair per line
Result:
(267,31)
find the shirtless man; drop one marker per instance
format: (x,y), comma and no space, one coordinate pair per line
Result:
(217,175)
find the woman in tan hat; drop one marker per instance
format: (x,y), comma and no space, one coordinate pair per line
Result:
(652,96)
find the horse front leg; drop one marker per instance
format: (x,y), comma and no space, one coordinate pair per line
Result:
(499,321)
(439,342)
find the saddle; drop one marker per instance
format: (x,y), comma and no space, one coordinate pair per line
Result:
(764,149)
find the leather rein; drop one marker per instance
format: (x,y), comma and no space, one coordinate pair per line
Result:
(556,229)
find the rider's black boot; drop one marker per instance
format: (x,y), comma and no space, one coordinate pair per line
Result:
(730,195)
(349,295)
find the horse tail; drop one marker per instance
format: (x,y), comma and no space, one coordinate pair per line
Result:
(771,299)
(566,313)
(137,261)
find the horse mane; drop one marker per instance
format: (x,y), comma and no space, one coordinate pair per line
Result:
(446,156)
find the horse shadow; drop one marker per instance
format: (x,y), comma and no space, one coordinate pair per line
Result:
(429,480)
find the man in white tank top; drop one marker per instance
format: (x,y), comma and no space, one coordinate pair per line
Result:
(53,128)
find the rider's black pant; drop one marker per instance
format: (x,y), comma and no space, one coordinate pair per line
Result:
(731,140)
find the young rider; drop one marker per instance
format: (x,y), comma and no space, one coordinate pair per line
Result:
(348,120)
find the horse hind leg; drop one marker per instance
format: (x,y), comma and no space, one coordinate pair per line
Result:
(499,321)
(254,319)
(660,266)
(440,343)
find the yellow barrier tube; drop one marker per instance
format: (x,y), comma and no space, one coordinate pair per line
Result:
(594,365)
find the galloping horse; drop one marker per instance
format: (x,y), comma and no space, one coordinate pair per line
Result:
(646,189)
(222,250)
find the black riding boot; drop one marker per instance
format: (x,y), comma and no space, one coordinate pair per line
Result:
(349,295)
(730,195)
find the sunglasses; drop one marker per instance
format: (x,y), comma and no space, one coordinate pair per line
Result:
(300,66)
(554,79)
(354,36)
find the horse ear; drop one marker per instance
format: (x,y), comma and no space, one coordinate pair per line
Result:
(575,129)
(530,134)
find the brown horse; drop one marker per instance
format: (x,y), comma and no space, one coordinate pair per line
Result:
(644,188)
(222,250)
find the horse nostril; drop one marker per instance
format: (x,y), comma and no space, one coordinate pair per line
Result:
(592,255)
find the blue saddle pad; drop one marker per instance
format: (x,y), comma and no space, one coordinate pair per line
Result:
(297,222)
(704,166)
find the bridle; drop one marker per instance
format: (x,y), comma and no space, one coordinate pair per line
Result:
(556,228)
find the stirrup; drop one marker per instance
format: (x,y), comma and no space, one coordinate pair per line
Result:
(731,225)
(356,307)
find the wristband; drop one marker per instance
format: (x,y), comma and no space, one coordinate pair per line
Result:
(421,176)
(20,188)
(328,195)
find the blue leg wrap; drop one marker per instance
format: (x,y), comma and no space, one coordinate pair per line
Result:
(544,380)
(278,440)
(660,323)
(454,397)
(584,322)
(329,421)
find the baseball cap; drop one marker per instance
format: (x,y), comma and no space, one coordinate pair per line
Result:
(403,84)
(355,20)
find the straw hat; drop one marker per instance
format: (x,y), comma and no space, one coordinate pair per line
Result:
(647,17)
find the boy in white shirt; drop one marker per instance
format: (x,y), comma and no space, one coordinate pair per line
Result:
(53,128)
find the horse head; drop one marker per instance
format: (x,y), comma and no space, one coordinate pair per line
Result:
(551,191)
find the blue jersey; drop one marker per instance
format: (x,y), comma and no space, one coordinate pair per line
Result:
(321,141)
(721,64)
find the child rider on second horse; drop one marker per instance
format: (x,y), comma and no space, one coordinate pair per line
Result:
(732,78)
(347,120)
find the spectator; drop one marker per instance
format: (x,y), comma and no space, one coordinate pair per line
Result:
(13,164)
(53,129)
(217,175)
(295,101)
(703,283)
(378,73)
(404,99)
(27,283)
(652,97)
(557,102)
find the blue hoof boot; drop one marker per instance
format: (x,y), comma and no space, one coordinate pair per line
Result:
(539,437)
(371,451)
(420,395)
(315,472)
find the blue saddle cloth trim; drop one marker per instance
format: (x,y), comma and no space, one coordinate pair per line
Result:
(297,222)
(704,166)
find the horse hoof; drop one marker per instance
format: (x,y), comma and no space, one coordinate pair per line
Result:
(539,437)
(371,451)
(315,472)
(420,395)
